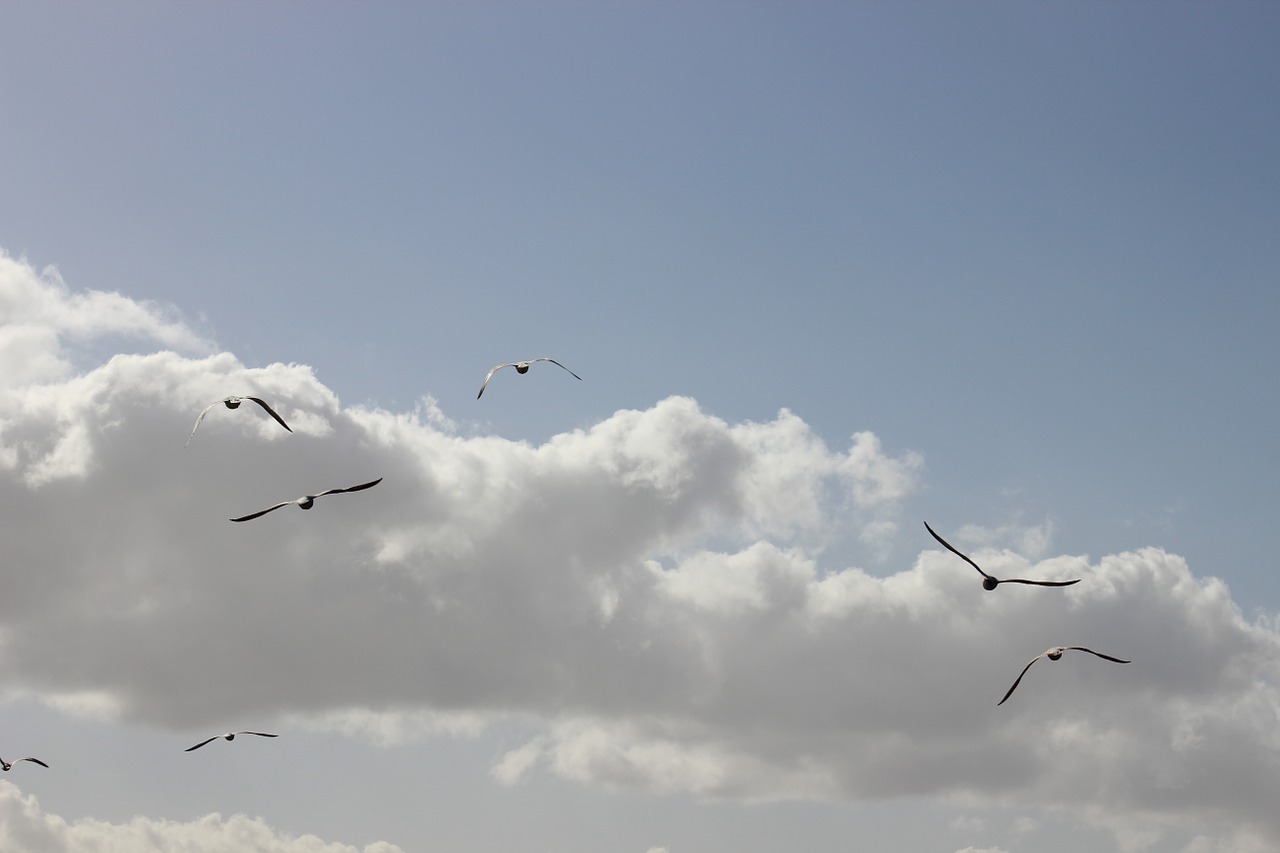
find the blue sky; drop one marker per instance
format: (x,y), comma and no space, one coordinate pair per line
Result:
(1008,267)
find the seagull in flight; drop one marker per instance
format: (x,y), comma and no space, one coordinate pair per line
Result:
(306,502)
(523,367)
(989,582)
(227,736)
(1053,654)
(234,403)
(7,764)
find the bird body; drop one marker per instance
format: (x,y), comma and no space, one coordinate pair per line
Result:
(990,582)
(523,367)
(307,501)
(7,764)
(227,736)
(234,403)
(1054,654)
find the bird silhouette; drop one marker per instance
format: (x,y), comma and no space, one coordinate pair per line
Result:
(234,403)
(989,581)
(7,764)
(1053,654)
(307,501)
(227,736)
(523,367)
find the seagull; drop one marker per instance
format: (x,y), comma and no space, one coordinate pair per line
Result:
(523,367)
(1053,654)
(227,736)
(306,501)
(989,582)
(234,403)
(7,764)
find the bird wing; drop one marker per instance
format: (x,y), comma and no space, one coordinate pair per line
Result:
(558,364)
(199,418)
(490,376)
(29,758)
(350,488)
(1099,654)
(264,511)
(1019,679)
(1040,583)
(259,734)
(202,743)
(270,411)
(948,546)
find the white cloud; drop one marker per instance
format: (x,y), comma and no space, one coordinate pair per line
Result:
(25,828)
(646,591)
(41,315)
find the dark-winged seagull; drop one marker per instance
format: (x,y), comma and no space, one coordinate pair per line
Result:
(1053,654)
(227,736)
(7,764)
(234,403)
(523,367)
(988,581)
(306,501)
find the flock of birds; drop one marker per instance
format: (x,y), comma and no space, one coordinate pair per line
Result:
(989,582)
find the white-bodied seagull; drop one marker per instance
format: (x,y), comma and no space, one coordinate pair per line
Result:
(227,736)
(306,501)
(7,764)
(523,367)
(1053,654)
(234,403)
(988,581)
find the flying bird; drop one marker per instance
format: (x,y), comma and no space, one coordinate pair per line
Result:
(989,582)
(523,367)
(1053,654)
(234,403)
(7,764)
(227,736)
(307,501)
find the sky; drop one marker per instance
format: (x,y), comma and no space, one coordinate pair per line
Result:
(826,271)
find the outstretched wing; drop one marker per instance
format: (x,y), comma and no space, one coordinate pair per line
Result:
(1099,654)
(259,734)
(558,364)
(29,758)
(1019,679)
(948,546)
(490,376)
(199,418)
(263,511)
(202,743)
(358,488)
(270,411)
(1040,583)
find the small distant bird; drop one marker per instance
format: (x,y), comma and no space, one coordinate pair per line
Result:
(307,501)
(1053,654)
(234,403)
(523,367)
(7,764)
(227,736)
(989,582)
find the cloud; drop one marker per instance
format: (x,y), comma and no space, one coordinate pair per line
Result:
(646,594)
(25,828)
(42,316)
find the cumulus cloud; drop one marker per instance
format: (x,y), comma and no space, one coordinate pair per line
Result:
(646,593)
(42,316)
(25,828)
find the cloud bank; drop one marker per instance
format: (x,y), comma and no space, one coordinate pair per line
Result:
(646,595)
(25,828)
